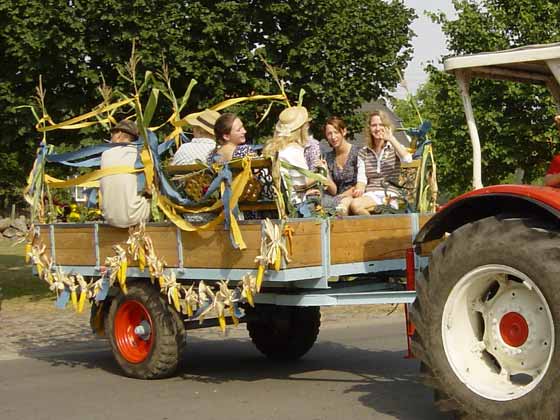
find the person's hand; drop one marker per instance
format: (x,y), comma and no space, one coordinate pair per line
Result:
(148,191)
(313,192)
(357,192)
(557,122)
(388,135)
(321,163)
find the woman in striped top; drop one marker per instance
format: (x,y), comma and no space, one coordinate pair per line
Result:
(378,161)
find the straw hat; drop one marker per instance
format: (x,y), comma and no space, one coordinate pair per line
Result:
(205,120)
(126,126)
(291,119)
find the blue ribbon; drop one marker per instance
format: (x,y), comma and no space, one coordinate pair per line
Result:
(62,299)
(102,294)
(420,134)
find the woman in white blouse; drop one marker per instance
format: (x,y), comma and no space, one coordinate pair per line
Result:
(287,145)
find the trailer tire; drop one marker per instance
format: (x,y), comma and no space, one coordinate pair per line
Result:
(155,351)
(486,318)
(284,333)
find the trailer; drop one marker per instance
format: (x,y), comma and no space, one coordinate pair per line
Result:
(150,284)
(372,253)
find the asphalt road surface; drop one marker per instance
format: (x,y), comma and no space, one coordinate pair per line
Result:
(356,369)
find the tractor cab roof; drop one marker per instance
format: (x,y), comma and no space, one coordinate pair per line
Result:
(537,64)
(532,63)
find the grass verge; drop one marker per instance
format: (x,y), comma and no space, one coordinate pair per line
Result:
(16,279)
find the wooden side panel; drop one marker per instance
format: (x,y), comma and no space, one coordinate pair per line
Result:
(73,245)
(164,239)
(427,247)
(370,239)
(423,219)
(306,244)
(44,235)
(212,248)
(76,245)
(352,240)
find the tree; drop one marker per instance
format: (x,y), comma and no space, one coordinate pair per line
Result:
(514,120)
(341,53)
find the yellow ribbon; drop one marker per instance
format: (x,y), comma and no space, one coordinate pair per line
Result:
(146,158)
(289,234)
(72,123)
(229,102)
(88,178)
(237,187)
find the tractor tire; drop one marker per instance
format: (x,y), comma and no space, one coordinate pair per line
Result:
(487,320)
(284,333)
(147,335)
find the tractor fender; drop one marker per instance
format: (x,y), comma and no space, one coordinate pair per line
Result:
(499,200)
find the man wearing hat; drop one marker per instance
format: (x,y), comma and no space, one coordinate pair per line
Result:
(121,204)
(203,142)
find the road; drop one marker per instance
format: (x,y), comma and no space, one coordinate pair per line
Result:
(356,369)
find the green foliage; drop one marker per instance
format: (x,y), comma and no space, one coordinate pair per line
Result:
(341,52)
(514,120)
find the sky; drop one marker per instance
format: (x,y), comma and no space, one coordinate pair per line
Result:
(428,44)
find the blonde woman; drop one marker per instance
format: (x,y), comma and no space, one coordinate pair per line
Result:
(288,143)
(378,161)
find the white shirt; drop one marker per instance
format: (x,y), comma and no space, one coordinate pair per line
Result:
(198,148)
(293,154)
(121,204)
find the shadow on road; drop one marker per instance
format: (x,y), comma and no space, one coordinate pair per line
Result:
(383,380)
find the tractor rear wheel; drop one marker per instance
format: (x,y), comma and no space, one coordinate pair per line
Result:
(486,318)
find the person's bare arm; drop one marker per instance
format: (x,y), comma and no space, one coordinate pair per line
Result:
(348,193)
(552,180)
(400,150)
(360,187)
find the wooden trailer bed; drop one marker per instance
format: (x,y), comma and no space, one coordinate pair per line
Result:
(348,245)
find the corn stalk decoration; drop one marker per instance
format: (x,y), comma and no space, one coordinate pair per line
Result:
(196,301)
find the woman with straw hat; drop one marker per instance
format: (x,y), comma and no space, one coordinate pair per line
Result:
(290,137)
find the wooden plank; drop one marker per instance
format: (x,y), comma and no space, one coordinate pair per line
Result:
(163,237)
(306,244)
(69,256)
(370,239)
(74,246)
(44,235)
(427,247)
(213,248)
(375,223)
(423,218)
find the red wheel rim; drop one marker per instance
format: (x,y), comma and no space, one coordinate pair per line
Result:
(133,348)
(514,329)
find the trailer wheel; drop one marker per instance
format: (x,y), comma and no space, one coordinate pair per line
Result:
(284,333)
(147,336)
(486,320)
